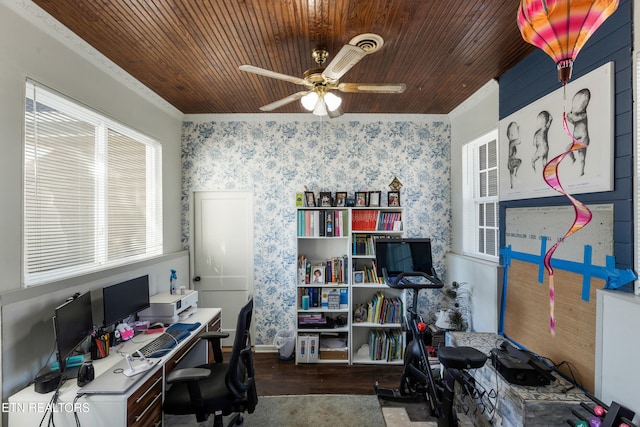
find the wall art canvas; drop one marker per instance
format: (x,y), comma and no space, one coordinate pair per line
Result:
(532,136)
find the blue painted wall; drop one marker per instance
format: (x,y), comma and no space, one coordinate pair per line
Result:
(536,76)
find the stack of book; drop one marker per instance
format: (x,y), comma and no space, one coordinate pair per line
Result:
(322,223)
(384,310)
(364,220)
(386,345)
(390,221)
(311,320)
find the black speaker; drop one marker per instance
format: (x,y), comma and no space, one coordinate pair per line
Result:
(85,374)
(47,382)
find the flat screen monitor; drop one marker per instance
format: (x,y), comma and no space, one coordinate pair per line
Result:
(73,322)
(404,255)
(125,299)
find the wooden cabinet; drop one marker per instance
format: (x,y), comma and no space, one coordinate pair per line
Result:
(144,406)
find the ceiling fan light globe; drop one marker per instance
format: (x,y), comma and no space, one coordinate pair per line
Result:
(309,101)
(333,102)
(321,108)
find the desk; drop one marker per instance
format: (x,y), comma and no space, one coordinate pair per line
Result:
(141,405)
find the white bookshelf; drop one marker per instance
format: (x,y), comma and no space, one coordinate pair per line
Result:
(355,248)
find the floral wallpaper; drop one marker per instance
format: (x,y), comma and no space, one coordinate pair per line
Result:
(276,158)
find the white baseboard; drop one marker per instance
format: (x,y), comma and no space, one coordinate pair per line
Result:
(264,348)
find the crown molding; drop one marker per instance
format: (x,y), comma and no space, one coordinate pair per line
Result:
(45,22)
(475,99)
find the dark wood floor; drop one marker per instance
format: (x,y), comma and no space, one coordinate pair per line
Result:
(276,377)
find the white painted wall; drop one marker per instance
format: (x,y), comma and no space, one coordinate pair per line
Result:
(473,118)
(618,349)
(56,58)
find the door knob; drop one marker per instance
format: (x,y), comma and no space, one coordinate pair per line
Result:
(196,279)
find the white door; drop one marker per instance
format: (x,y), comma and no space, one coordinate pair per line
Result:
(223,252)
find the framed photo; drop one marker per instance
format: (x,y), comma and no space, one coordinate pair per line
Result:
(351,202)
(317,274)
(358,277)
(361,198)
(533,135)
(325,199)
(393,198)
(310,199)
(341,199)
(374,198)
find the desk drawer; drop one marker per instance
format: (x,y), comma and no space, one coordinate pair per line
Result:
(180,354)
(144,406)
(214,324)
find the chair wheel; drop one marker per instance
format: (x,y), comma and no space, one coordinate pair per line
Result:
(240,420)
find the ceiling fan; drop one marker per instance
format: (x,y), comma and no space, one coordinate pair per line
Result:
(319,82)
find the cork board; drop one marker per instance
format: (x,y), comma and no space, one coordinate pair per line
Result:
(526,318)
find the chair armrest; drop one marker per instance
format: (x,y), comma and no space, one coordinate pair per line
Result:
(214,338)
(212,335)
(188,374)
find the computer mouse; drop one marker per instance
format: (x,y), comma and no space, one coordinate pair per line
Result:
(156,325)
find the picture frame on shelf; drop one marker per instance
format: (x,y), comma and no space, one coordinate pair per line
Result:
(358,277)
(361,198)
(374,198)
(393,199)
(310,199)
(324,199)
(299,200)
(341,199)
(317,274)
(350,202)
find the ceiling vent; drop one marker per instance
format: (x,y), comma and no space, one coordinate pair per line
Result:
(368,42)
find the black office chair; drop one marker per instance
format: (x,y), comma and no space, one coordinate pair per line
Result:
(219,388)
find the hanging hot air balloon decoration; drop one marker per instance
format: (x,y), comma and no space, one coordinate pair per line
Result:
(561,28)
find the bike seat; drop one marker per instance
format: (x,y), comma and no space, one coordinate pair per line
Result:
(461,357)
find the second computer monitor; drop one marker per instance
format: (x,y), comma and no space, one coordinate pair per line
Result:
(125,299)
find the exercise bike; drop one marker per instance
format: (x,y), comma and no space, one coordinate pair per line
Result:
(418,381)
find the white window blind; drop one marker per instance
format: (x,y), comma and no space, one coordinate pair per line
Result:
(480,198)
(92,190)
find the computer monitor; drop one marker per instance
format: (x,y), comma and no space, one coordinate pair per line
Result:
(73,322)
(125,299)
(404,255)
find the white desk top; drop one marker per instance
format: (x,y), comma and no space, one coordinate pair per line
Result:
(117,354)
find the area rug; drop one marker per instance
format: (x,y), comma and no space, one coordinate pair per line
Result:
(333,410)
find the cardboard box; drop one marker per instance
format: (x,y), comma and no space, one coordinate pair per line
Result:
(334,355)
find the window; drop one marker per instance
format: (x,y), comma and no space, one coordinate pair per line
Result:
(92,190)
(480,199)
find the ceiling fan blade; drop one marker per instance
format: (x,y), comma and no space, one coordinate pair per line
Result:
(284,101)
(272,74)
(348,56)
(372,87)
(335,113)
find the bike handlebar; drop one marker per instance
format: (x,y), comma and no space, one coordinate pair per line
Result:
(402,281)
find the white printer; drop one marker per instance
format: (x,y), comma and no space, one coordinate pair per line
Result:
(170,308)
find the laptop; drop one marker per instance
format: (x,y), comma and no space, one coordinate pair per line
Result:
(114,381)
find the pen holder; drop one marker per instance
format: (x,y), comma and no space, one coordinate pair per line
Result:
(99,347)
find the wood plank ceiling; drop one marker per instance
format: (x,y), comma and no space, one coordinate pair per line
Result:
(188,51)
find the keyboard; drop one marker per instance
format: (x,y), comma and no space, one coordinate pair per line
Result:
(163,343)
